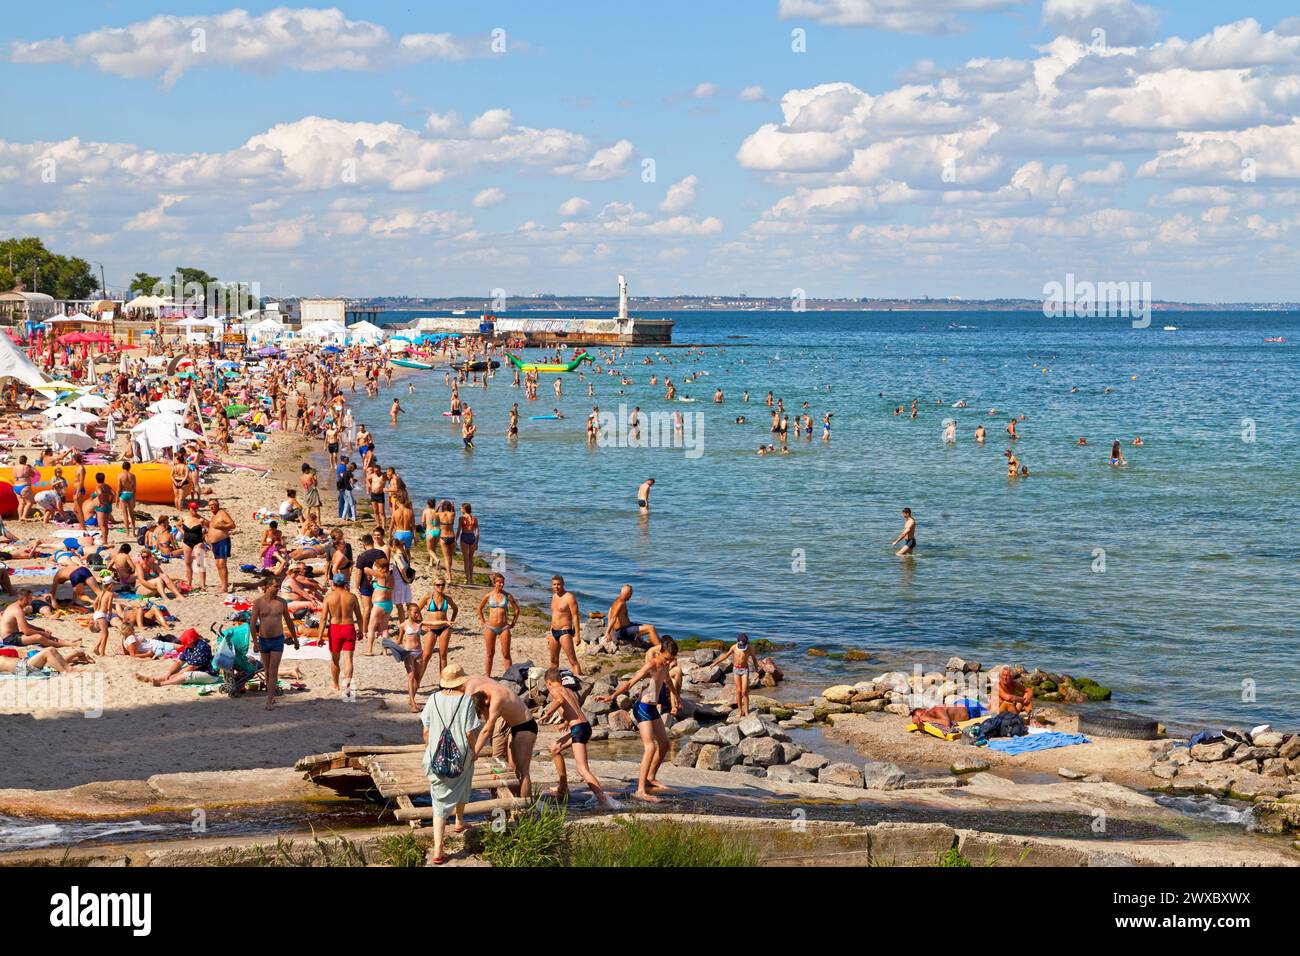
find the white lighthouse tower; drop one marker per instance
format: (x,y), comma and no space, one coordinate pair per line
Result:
(622,298)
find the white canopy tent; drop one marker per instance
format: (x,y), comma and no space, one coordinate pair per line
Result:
(14,363)
(268,330)
(325,332)
(365,332)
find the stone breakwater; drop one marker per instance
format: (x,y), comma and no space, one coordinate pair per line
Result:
(1262,765)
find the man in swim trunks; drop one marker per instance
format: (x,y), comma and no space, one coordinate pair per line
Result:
(1013,698)
(907,536)
(16,632)
(510,726)
(618,627)
(649,720)
(643,495)
(268,620)
(341,620)
(565,621)
(220,527)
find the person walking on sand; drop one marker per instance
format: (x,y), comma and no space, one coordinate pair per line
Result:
(451,726)
(565,621)
(907,535)
(577,735)
(649,721)
(341,621)
(643,495)
(268,622)
(743,665)
(510,726)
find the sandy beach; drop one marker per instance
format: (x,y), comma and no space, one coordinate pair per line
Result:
(145,730)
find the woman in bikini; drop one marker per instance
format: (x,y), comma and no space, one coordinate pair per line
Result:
(432,532)
(499,612)
(381,605)
(447,533)
(439,613)
(468,539)
(180,480)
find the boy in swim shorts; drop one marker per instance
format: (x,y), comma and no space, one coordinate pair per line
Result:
(743,665)
(577,737)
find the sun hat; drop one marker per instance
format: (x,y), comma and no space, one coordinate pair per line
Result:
(189,637)
(453,675)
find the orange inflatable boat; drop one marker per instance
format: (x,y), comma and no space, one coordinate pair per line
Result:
(153,483)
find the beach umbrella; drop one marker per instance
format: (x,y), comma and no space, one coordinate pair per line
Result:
(235,410)
(269,351)
(89,401)
(68,437)
(110,431)
(167,405)
(65,415)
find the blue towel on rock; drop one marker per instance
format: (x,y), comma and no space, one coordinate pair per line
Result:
(1035,742)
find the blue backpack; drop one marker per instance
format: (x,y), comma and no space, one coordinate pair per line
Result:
(445,759)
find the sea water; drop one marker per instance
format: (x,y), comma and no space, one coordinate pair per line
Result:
(1171,580)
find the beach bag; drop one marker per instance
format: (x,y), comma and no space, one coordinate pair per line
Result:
(444,758)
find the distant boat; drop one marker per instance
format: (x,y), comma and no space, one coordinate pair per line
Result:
(1277,338)
(1171,328)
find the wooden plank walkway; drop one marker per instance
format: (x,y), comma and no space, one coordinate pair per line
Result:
(398,775)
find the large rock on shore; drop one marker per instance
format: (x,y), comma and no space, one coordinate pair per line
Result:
(877,775)
(1211,752)
(684,728)
(840,775)
(761,751)
(790,775)
(810,762)
(839,694)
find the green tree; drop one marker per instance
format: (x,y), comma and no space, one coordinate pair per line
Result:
(40,270)
(144,283)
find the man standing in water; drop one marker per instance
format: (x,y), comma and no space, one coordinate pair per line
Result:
(643,495)
(565,621)
(908,534)
(269,620)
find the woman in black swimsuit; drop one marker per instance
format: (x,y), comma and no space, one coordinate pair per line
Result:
(193,532)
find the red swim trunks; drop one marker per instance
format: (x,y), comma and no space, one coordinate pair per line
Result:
(343,637)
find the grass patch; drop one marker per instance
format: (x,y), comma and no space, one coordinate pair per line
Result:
(537,837)
(661,843)
(952,857)
(541,836)
(404,850)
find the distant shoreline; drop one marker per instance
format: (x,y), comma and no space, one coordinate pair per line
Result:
(609,306)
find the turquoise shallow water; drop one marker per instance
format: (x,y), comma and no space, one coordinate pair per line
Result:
(1200,583)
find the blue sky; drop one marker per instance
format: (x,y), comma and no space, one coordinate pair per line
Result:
(931,147)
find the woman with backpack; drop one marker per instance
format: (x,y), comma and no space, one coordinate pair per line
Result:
(451,722)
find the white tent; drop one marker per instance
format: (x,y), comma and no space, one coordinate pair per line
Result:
(365,332)
(14,363)
(395,345)
(147,303)
(324,331)
(268,330)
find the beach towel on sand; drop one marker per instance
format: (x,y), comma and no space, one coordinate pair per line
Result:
(1036,742)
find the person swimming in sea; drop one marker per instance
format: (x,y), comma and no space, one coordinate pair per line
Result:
(1117,455)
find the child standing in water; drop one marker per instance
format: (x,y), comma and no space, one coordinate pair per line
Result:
(743,665)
